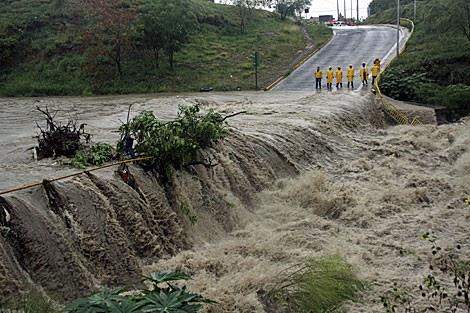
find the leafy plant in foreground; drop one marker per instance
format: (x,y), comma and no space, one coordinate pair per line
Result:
(162,298)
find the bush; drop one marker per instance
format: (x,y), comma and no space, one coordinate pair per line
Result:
(323,285)
(97,154)
(399,84)
(452,96)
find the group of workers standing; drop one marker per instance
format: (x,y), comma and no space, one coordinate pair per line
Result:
(350,74)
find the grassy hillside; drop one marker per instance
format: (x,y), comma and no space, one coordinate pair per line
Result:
(44,51)
(435,67)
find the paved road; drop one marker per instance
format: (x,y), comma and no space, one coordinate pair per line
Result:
(350,45)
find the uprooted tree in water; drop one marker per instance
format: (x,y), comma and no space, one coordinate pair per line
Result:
(70,140)
(59,139)
(173,144)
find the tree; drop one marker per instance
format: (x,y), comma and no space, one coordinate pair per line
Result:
(459,16)
(246,10)
(178,24)
(168,26)
(287,8)
(152,32)
(110,30)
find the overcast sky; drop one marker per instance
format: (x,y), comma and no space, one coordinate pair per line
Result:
(328,7)
(324,7)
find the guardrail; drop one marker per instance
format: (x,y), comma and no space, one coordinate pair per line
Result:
(392,111)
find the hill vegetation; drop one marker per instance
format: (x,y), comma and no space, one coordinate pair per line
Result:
(435,67)
(85,47)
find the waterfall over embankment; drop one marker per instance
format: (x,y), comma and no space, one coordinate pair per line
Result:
(70,237)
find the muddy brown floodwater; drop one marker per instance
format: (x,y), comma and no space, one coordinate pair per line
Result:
(300,175)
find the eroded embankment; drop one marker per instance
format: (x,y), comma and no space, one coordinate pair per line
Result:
(70,237)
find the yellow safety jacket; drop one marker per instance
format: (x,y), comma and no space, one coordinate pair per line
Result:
(364,73)
(318,74)
(375,70)
(350,74)
(339,76)
(329,76)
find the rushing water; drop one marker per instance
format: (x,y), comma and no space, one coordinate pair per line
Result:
(299,175)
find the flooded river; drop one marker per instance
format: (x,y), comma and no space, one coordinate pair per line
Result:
(300,175)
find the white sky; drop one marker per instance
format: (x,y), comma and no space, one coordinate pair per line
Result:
(325,7)
(328,7)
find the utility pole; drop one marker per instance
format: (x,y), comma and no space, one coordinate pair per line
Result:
(357,7)
(352,16)
(345,10)
(414,11)
(337,7)
(398,28)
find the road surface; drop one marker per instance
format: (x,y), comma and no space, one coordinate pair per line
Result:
(350,45)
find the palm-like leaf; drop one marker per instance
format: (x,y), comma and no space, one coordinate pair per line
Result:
(163,277)
(168,301)
(105,301)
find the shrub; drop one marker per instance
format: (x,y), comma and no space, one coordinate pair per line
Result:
(323,285)
(452,96)
(399,84)
(97,154)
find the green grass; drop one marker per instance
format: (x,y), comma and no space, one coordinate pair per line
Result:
(324,285)
(51,53)
(321,34)
(435,67)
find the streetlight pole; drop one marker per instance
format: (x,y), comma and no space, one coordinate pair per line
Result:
(357,7)
(345,10)
(337,7)
(352,10)
(398,28)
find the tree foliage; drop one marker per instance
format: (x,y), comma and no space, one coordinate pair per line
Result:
(246,10)
(175,143)
(110,32)
(377,6)
(287,8)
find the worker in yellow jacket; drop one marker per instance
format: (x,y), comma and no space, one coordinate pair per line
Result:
(318,77)
(339,78)
(375,70)
(364,74)
(351,76)
(329,78)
